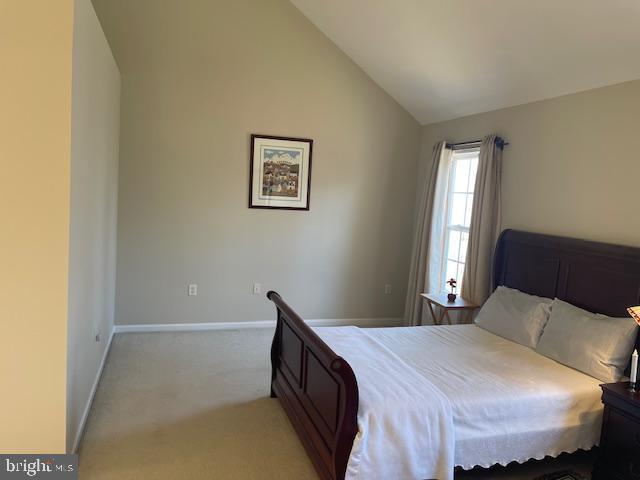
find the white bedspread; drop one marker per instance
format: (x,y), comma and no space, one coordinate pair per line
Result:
(400,436)
(507,402)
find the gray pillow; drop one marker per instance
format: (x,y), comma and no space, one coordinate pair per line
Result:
(514,315)
(595,344)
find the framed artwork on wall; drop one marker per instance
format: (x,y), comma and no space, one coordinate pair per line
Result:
(280,172)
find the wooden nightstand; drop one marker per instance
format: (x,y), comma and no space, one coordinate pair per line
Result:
(440,301)
(619,457)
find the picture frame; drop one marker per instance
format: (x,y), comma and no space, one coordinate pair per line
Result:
(280,172)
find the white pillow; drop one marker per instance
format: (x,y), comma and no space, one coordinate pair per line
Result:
(595,344)
(515,315)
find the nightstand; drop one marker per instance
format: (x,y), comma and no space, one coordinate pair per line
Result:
(441,302)
(619,456)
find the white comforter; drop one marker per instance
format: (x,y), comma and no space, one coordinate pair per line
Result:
(506,402)
(400,435)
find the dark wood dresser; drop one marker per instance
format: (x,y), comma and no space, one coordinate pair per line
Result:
(619,457)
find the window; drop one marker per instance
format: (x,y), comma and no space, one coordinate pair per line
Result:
(459,202)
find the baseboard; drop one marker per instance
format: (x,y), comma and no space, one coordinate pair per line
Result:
(87,408)
(186,327)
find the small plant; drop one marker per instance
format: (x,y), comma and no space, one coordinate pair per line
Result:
(452,283)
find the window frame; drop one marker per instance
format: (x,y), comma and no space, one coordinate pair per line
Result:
(457,155)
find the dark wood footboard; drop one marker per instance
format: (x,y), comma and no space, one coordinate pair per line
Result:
(317,389)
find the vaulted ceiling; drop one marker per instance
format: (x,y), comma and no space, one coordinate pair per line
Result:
(444,59)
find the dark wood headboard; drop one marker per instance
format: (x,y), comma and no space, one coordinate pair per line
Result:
(598,277)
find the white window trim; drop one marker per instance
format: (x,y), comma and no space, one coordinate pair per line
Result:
(449,227)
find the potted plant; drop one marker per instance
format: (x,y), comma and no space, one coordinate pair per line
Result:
(452,296)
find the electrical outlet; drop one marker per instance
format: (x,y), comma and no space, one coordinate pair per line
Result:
(387,289)
(193,290)
(257,288)
(97,336)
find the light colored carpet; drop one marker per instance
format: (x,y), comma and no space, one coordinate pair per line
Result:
(195,405)
(190,406)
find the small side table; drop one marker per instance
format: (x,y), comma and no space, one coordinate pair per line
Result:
(619,454)
(441,301)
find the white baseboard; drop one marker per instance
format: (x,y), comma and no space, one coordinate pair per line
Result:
(186,327)
(87,408)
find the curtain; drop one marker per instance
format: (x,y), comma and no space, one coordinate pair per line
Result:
(486,222)
(423,244)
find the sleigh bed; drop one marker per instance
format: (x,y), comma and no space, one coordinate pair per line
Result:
(319,390)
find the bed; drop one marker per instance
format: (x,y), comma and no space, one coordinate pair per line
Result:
(319,389)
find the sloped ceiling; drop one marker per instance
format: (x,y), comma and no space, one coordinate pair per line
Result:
(443,59)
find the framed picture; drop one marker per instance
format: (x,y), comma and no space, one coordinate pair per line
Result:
(280,172)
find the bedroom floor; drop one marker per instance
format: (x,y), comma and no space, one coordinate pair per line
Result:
(195,405)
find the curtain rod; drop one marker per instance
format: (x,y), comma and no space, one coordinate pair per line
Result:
(475,143)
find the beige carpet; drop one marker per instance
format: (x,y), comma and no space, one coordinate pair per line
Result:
(196,406)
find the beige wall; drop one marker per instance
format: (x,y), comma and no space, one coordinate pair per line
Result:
(198,77)
(94,182)
(571,168)
(35,123)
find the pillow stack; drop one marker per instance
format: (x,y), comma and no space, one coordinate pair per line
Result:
(514,315)
(595,344)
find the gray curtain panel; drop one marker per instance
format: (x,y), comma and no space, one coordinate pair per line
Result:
(486,222)
(419,273)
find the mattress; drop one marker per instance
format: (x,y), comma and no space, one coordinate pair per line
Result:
(508,402)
